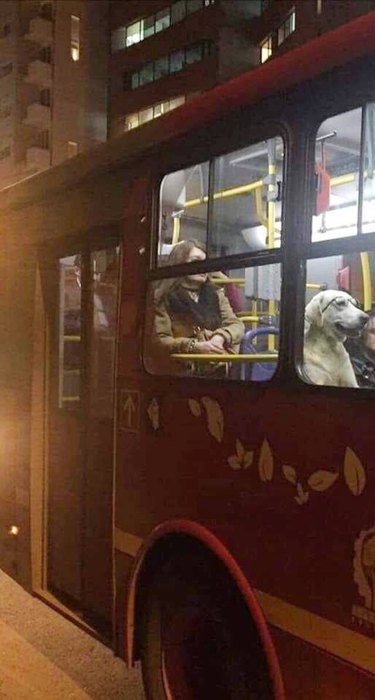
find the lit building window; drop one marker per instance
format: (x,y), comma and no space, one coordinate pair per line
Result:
(132,121)
(74,37)
(286,28)
(266,49)
(133,33)
(72,149)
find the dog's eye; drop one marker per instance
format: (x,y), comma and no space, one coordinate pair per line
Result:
(341,302)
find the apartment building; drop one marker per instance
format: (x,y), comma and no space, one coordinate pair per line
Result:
(53,82)
(75,72)
(285,24)
(163,53)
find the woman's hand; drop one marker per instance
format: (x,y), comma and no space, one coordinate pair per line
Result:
(214,346)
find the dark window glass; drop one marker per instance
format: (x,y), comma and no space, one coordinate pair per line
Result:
(146,74)
(133,82)
(178,11)
(161,67)
(193,6)
(194,53)
(177,61)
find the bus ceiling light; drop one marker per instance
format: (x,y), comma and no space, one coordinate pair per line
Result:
(13,530)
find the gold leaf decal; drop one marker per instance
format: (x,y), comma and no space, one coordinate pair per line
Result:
(242,459)
(301,497)
(290,474)
(354,473)
(215,418)
(154,414)
(195,407)
(234,462)
(321,480)
(240,450)
(265,462)
(248,459)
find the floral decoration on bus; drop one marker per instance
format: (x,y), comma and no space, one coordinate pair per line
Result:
(321,480)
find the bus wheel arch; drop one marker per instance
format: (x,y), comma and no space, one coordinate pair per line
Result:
(184,560)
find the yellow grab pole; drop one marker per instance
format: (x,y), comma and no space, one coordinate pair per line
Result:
(366,279)
(176,230)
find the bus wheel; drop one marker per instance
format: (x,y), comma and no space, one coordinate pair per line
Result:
(198,639)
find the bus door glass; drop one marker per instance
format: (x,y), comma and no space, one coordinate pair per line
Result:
(83,325)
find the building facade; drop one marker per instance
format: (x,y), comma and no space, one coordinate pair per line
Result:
(76,72)
(163,53)
(53,82)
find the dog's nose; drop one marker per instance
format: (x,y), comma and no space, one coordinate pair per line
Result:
(363,319)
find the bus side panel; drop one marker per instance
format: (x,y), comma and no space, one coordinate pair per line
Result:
(311,673)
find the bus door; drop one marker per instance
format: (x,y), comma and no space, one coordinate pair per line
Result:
(82,288)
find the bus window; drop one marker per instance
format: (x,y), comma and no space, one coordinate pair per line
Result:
(368,205)
(247,199)
(337,168)
(339,348)
(70,331)
(231,205)
(183,208)
(223,324)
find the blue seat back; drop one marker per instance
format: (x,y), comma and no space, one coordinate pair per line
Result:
(257,371)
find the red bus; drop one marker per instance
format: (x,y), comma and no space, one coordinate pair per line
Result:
(187,370)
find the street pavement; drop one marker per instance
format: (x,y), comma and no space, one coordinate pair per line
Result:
(43,656)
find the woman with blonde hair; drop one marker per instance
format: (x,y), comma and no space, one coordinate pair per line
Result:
(192,315)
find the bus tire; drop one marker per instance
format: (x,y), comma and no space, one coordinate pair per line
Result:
(198,639)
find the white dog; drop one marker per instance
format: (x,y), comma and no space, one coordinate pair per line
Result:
(330,317)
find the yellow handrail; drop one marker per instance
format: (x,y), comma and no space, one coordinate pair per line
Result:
(226,357)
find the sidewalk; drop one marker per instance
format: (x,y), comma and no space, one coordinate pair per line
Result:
(45,657)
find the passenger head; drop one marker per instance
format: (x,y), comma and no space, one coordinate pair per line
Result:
(186,251)
(189,251)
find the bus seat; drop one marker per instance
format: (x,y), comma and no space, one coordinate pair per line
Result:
(257,371)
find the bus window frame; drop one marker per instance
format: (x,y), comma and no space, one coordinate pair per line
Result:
(252,134)
(174,164)
(312,250)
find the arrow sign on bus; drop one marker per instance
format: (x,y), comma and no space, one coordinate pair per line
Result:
(130,410)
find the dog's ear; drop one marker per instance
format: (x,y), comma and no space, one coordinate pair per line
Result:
(313,313)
